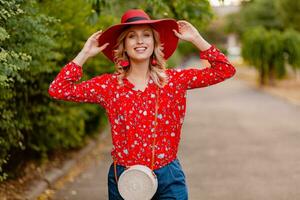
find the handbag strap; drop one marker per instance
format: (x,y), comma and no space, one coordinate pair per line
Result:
(155,124)
(154,138)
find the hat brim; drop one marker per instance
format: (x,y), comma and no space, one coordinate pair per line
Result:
(163,26)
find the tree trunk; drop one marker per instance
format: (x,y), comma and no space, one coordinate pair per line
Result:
(262,73)
(272,75)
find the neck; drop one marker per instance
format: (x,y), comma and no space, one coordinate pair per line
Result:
(139,69)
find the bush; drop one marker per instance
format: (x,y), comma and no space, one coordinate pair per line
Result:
(31,123)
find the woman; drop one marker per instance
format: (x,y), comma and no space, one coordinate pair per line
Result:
(139,47)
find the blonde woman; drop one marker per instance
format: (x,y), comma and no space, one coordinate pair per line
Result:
(144,100)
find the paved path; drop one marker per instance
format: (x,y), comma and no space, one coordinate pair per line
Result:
(237,143)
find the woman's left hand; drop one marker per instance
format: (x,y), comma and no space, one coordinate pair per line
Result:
(187,31)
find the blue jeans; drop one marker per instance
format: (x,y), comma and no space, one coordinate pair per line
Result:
(171,182)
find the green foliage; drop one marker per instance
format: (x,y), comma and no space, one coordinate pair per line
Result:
(268,39)
(266,50)
(278,14)
(292,47)
(253,14)
(289,13)
(73,31)
(33,49)
(198,12)
(12,64)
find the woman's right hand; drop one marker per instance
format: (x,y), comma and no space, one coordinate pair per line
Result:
(90,49)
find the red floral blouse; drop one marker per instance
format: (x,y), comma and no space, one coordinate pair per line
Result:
(131,112)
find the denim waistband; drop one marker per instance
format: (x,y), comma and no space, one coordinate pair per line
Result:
(121,167)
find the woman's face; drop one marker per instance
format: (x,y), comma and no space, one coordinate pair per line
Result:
(139,42)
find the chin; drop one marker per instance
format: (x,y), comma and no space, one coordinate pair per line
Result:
(140,57)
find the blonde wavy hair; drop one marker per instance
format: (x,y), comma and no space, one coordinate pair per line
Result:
(157,72)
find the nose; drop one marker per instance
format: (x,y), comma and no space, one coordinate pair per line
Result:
(140,40)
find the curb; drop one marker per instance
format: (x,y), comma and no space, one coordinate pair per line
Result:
(50,177)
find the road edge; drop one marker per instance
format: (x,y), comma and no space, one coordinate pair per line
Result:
(52,176)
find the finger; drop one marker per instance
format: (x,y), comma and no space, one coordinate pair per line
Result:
(182,23)
(97,36)
(176,33)
(96,33)
(104,46)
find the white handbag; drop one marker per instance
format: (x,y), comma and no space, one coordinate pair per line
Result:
(139,182)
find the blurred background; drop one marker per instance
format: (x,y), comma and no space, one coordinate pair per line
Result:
(38,37)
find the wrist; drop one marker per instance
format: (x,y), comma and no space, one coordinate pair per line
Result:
(84,54)
(81,58)
(197,39)
(201,43)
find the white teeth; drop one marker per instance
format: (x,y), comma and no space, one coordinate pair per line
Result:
(140,49)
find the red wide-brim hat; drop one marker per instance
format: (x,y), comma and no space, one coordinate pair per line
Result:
(137,16)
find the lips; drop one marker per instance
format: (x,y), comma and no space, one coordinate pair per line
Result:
(140,49)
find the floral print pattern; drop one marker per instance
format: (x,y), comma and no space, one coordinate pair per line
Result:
(131,111)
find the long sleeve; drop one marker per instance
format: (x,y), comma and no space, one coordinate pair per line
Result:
(64,86)
(220,70)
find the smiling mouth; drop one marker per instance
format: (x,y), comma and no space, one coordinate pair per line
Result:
(140,49)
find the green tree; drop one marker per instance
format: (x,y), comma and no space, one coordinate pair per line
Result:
(12,63)
(198,12)
(269,51)
(289,13)
(259,51)
(265,28)
(31,123)
(291,40)
(252,14)
(23,37)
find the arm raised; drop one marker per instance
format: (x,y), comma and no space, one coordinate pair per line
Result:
(64,86)
(219,70)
